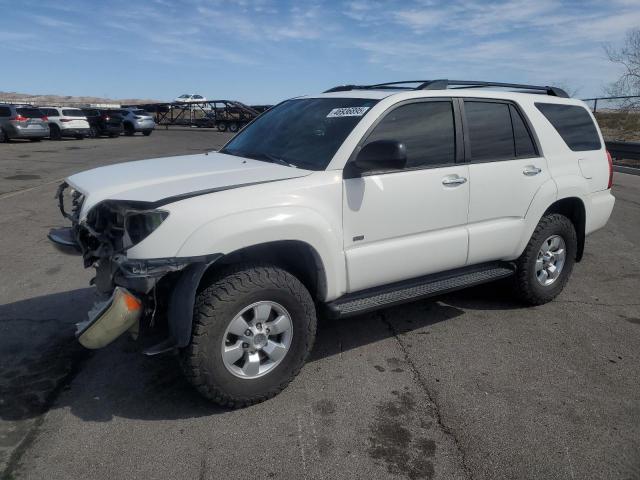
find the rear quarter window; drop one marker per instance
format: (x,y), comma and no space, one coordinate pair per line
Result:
(574,124)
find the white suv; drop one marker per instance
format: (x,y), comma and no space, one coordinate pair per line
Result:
(352,200)
(66,122)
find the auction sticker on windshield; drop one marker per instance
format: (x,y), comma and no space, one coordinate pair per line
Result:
(347,112)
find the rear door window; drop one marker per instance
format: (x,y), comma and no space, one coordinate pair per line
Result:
(490,131)
(426,129)
(523,141)
(574,124)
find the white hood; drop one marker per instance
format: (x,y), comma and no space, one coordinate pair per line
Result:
(158,179)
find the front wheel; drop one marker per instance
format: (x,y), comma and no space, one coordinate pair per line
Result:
(254,327)
(146,133)
(544,267)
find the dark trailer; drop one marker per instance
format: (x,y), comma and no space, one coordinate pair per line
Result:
(221,114)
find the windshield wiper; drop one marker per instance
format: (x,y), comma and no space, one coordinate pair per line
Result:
(263,157)
(274,159)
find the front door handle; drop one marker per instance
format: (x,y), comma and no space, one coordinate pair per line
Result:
(453,180)
(531,170)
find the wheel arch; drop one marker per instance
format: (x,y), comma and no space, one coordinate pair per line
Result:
(574,209)
(295,256)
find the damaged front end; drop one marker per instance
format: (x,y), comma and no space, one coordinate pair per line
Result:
(102,236)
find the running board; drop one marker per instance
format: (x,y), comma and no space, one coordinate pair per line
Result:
(417,288)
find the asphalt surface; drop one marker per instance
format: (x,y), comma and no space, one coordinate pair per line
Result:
(469,385)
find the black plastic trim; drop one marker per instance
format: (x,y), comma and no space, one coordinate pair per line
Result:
(416,288)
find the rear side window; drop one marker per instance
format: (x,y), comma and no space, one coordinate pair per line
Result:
(426,129)
(50,112)
(522,138)
(574,124)
(490,131)
(5,112)
(73,112)
(29,112)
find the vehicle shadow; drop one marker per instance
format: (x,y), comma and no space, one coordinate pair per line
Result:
(41,356)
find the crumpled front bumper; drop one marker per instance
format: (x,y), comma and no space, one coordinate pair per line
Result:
(110,319)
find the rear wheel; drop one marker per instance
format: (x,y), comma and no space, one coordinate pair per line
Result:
(129,130)
(222,127)
(79,137)
(35,139)
(233,127)
(544,267)
(146,133)
(254,327)
(93,132)
(4,138)
(54,132)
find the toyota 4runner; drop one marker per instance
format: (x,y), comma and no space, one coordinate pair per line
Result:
(347,201)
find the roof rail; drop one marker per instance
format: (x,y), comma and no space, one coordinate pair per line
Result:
(444,84)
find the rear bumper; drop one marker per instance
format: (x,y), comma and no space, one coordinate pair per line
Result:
(27,132)
(144,126)
(599,208)
(109,129)
(73,132)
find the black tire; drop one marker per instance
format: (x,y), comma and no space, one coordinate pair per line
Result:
(4,138)
(525,283)
(54,132)
(146,133)
(129,130)
(79,137)
(35,139)
(114,135)
(93,132)
(233,127)
(217,305)
(222,127)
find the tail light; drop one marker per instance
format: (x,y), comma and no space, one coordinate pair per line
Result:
(44,118)
(20,118)
(610,169)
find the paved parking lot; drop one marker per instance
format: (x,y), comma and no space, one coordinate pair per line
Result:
(468,385)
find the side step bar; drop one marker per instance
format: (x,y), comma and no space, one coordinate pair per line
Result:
(417,288)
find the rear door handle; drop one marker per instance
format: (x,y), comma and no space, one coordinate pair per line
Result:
(453,180)
(531,170)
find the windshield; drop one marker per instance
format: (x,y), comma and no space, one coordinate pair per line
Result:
(304,133)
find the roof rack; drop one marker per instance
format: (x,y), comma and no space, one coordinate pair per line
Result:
(443,84)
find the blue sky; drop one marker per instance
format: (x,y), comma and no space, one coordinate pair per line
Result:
(266,50)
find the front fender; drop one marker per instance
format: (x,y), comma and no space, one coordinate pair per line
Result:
(246,229)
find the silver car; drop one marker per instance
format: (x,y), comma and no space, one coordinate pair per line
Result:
(137,120)
(22,121)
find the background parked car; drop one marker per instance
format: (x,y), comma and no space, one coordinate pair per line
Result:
(103,122)
(191,98)
(22,121)
(137,120)
(66,122)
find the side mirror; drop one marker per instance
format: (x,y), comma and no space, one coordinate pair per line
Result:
(381,155)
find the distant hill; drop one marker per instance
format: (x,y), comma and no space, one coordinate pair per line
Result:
(15,97)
